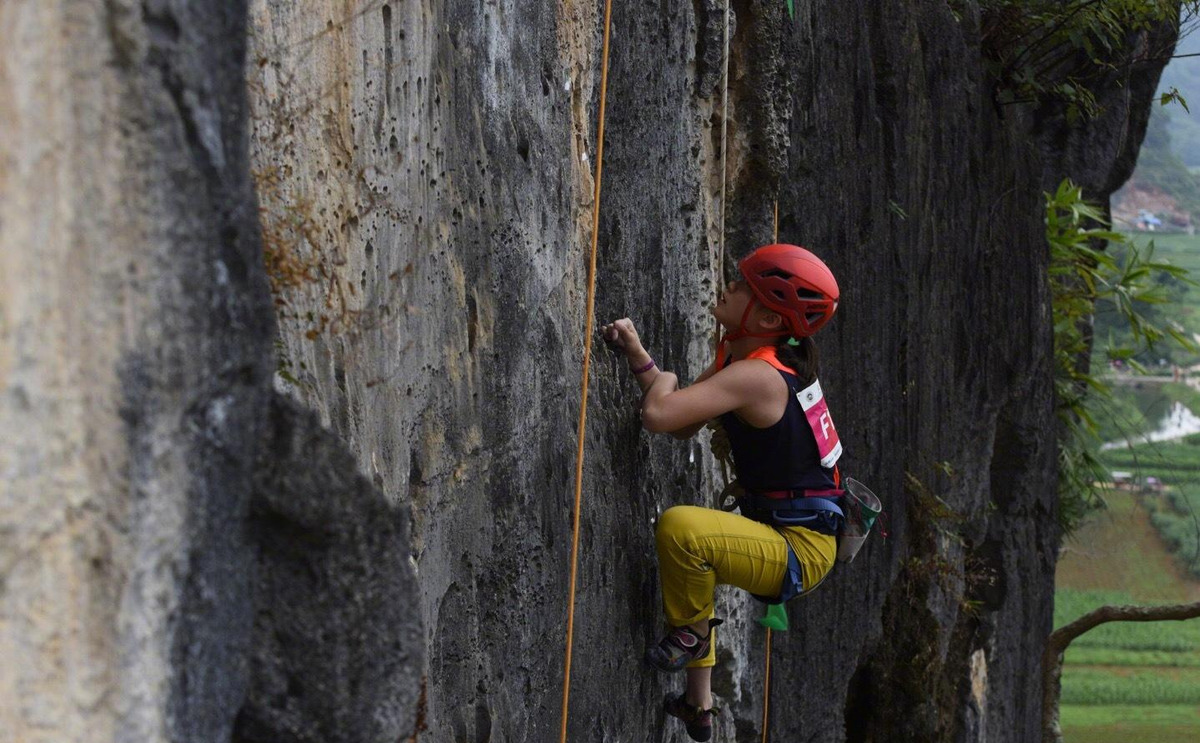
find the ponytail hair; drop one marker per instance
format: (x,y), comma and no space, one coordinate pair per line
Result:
(802,357)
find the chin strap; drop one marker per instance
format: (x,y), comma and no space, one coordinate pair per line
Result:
(741,332)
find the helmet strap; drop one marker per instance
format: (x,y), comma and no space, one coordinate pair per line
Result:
(742,332)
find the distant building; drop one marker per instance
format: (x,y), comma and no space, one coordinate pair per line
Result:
(1147,221)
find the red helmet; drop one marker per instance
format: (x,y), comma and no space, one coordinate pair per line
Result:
(793,282)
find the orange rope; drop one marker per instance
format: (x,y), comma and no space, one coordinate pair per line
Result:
(767,690)
(588,332)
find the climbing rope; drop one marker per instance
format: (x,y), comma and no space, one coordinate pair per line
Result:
(767,691)
(587,344)
(587,358)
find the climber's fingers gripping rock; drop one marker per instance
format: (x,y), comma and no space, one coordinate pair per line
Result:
(621,335)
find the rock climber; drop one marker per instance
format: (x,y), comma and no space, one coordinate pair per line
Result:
(763,387)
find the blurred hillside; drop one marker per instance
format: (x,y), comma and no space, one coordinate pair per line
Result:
(1183,73)
(1164,192)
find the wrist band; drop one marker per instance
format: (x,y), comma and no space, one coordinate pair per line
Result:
(643,369)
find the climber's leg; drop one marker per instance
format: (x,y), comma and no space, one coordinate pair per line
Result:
(699,686)
(701,547)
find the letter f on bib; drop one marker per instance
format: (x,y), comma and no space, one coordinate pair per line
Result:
(812,400)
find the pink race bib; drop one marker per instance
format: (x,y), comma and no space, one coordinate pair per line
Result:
(812,400)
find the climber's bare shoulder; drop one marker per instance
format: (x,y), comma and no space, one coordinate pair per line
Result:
(752,389)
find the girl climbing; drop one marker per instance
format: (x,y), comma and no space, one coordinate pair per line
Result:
(763,386)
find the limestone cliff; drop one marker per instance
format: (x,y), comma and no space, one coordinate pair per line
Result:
(184,556)
(443,152)
(188,554)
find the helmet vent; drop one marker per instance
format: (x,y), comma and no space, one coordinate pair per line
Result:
(809,294)
(775,273)
(813,317)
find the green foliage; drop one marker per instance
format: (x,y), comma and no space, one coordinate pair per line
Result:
(1084,277)
(1172,95)
(1184,394)
(1159,300)
(1118,417)
(1057,50)
(1180,310)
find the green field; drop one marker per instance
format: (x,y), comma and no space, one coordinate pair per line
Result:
(1182,250)
(1127,681)
(1130,724)
(1175,514)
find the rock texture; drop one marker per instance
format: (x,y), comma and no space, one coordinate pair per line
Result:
(187,554)
(441,155)
(156,494)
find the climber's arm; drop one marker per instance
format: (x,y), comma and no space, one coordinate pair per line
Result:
(666,408)
(689,431)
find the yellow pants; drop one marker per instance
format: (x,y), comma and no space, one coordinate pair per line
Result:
(701,547)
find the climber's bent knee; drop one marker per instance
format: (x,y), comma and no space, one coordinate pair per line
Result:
(678,526)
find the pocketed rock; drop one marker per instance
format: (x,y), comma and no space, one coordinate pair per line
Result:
(186,555)
(145,592)
(446,151)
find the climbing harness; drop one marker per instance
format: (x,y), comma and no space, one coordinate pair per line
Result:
(817,510)
(587,357)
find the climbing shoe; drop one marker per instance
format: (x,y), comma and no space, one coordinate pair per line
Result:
(698,722)
(680,647)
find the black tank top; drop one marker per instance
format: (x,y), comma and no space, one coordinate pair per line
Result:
(781,457)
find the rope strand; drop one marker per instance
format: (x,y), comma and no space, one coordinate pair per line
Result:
(587,358)
(767,691)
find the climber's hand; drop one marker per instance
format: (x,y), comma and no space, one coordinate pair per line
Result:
(621,335)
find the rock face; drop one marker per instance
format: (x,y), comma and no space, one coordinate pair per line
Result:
(156,491)
(187,554)
(425,171)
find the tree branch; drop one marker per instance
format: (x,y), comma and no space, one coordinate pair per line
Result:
(1056,646)
(1050,33)
(1148,60)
